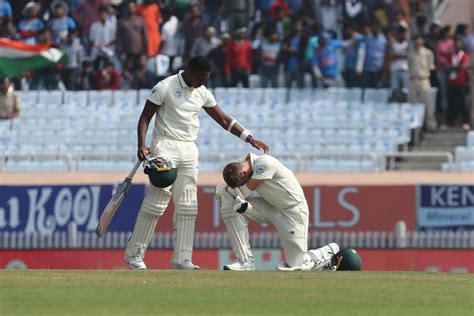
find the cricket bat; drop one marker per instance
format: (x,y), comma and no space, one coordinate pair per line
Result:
(115,202)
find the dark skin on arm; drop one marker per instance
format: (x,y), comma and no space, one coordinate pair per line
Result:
(194,79)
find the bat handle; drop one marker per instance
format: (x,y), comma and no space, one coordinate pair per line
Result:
(134,170)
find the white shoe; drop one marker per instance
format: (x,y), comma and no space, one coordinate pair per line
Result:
(238,266)
(135,263)
(321,257)
(186,265)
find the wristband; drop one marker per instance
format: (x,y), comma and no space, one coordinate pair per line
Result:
(232,123)
(245,191)
(244,135)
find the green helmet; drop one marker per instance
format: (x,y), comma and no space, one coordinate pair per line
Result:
(160,170)
(346,260)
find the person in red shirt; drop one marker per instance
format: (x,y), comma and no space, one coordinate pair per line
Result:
(108,78)
(457,85)
(151,13)
(239,59)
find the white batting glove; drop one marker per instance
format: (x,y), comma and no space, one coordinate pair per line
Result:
(241,205)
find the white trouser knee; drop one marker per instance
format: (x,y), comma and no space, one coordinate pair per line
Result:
(184,219)
(153,206)
(236,228)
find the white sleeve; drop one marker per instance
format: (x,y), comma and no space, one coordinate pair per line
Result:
(209,100)
(264,168)
(157,95)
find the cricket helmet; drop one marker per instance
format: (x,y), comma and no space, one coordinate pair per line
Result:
(346,260)
(160,170)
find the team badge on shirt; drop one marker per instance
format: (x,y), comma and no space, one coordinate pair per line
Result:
(178,93)
(260,169)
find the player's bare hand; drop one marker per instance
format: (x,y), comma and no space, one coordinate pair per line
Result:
(259,145)
(142,152)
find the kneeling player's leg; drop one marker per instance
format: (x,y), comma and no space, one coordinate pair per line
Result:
(152,208)
(236,227)
(292,228)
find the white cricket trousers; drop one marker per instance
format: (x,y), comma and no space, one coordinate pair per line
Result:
(291,225)
(184,194)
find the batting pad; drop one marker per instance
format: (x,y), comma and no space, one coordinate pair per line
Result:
(156,201)
(184,219)
(142,233)
(237,229)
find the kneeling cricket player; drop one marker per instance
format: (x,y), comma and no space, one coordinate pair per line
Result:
(281,203)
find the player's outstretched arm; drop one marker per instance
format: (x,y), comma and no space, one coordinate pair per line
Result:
(230,124)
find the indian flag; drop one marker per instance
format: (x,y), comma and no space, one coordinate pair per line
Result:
(16,57)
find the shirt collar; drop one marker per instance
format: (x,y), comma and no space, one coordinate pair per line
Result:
(181,80)
(252,159)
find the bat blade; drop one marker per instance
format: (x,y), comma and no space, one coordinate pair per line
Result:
(112,207)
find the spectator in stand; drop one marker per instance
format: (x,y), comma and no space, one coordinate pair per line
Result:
(150,11)
(108,78)
(75,53)
(87,78)
(282,22)
(238,13)
(131,36)
(239,64)
(458,85)
(268,59)
(103,35)
(375,42)
(278,7)
(5,11)
(10,101)
(143,78)
(444,51)
(420,63)
(431,39)
(8,30)
(169,36)
(354,13)
(48,77)
(60,23)
(398,56)
(218,58)
(30,25)
(126,78)
(462,32)
(354,54)
(204,44)
(86,13)
(331,16)
(293,49)
(326,60)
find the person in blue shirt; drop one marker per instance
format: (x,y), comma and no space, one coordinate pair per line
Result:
(293,48)
(354,55)
(30,25)
(326,60)
(375,43)
(60,23)
(5,10)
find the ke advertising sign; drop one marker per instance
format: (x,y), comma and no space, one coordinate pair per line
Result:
(47,209)
(445,206)
(343,208)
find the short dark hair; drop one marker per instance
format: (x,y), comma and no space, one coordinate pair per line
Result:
(231,174)
(199,63)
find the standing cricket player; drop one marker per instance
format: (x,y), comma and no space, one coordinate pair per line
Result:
(176,101)
(281,203)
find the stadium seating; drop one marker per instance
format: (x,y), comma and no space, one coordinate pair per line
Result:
(317,130)
(463,157)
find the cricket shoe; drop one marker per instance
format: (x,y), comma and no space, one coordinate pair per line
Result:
(135,263)
(186,265)
(239,266)
(321,257)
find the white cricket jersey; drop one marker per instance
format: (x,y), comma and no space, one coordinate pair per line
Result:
(280,188)
(178,107)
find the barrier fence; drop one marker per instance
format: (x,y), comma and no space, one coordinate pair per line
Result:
(164,240)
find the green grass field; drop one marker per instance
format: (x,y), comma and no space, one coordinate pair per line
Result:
(61,292)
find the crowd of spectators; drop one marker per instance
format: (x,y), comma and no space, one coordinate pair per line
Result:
(131,44)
